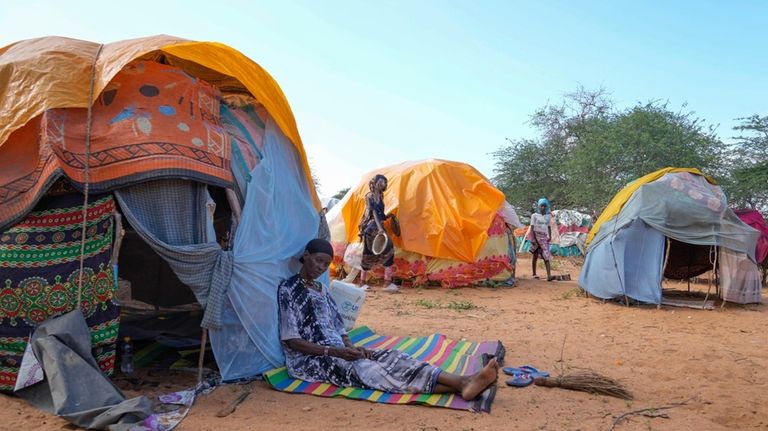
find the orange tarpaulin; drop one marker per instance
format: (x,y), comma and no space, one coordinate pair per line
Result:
(151,121)
(54,72)
(149,113)
(445,208)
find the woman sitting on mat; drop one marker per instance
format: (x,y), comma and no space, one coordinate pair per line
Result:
(317,348)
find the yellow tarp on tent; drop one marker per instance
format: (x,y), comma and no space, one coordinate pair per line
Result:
(618,201)
(445,207)
(56,72)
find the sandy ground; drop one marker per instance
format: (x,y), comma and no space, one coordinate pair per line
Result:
(714,361)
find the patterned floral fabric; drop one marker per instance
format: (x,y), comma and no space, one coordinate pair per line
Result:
(39,271)
(541,246)
(313,316)
(493,263)
(151,121)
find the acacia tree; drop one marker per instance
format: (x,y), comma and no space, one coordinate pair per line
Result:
(748,181)
(588,150)
(637,141)
(340,194)
(529,169)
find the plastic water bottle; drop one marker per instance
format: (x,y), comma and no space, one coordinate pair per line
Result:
(126,357)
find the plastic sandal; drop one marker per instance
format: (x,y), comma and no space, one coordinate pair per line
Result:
(392,288)
(534,372)
(514,371)
(520,381)
(524,370)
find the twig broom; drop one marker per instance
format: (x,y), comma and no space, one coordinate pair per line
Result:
(586,381)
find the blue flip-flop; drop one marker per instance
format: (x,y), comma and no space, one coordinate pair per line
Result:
(520,381)
(534,372)
(524,370)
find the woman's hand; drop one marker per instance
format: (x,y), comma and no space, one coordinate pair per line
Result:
(347,353)
(350,345)
(366,353)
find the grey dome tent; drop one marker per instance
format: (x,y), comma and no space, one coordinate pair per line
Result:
(673,223)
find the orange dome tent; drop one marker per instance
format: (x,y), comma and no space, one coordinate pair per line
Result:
(451,229)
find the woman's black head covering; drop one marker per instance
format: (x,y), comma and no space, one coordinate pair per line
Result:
(374,180)
(319,245)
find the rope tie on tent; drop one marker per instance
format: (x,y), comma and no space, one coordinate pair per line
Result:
(712,250)
(86,173)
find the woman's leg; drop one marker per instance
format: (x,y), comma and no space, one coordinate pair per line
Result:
(468,386)
(388,275)
(390,287)
(533,262)
(388,261)
(367,262)
(549,270)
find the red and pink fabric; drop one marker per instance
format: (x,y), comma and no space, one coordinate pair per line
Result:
(755,220)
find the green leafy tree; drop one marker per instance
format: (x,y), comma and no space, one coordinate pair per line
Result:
(315,179)
(529,169)
(615,151)
(340,194)
(588,151)
(748,182)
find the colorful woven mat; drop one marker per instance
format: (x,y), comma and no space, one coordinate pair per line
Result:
(456,356)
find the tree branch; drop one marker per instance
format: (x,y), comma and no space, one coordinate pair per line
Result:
(649,412)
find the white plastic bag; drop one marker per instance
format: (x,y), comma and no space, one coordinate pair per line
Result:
(353,256)
(349,298)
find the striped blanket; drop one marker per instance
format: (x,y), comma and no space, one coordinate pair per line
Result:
(456,356)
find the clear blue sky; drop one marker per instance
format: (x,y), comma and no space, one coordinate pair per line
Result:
(376,83)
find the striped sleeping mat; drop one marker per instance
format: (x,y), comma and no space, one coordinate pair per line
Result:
(455,356)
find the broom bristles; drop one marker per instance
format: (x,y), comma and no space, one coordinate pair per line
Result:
(586,381)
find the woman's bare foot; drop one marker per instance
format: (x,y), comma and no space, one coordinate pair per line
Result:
(480,381)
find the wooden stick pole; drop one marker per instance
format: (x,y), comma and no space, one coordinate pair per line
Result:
(203,342)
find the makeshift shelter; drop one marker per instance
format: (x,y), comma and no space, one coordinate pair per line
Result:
(754,219)
(452,221)
(570,237)
(672,223)
(194,144)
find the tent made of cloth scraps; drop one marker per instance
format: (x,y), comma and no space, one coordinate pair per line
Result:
(662,225)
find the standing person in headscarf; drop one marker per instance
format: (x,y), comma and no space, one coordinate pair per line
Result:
(370,226)
(541,232)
